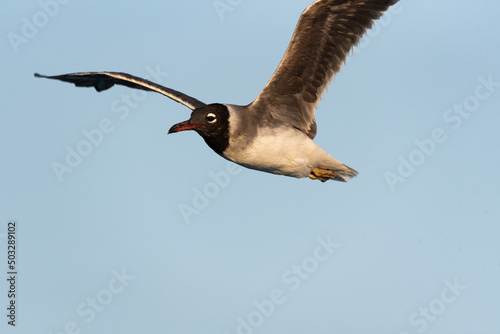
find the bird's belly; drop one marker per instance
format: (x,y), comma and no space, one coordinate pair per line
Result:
(284,152)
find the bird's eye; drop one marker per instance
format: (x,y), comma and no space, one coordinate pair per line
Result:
(211,118)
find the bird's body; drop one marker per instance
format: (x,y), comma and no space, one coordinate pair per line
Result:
(278,150)
(275,132)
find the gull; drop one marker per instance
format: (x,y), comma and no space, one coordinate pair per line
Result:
(275,132)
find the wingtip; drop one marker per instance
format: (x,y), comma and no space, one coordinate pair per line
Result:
(37,75)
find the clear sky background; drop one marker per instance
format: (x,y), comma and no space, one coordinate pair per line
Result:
(140,238)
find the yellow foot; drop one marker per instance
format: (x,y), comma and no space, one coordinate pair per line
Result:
(322,174)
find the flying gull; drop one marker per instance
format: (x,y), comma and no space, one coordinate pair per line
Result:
(275,132)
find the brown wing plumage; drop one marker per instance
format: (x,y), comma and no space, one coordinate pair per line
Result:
(105,80)
(327,30)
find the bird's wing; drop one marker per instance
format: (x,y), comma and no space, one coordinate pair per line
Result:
(104,80)
(327,30)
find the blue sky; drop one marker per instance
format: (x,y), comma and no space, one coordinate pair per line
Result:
(149,233)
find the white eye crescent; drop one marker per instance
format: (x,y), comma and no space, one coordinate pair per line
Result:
(211,118)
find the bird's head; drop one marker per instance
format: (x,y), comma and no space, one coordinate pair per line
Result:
(211,122)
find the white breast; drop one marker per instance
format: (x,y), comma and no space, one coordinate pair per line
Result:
(279,151)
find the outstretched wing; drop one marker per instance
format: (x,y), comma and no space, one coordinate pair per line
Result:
(325,33)
(105,80)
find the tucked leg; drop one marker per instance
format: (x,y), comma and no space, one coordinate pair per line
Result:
(322,174)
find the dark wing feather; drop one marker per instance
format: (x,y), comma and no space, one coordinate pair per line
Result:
(105,80)
(325,34)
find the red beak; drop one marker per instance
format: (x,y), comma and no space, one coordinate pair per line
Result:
(184,126)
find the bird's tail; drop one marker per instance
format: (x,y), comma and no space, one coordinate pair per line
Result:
(345,173)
